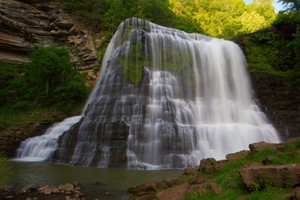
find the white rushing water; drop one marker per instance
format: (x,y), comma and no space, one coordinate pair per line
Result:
(40,148)
(165,99)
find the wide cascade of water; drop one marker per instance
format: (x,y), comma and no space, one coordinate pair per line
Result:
(165,99)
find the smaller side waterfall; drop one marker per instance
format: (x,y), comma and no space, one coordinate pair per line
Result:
(40,148)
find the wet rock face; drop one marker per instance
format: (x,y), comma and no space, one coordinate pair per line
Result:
(32,22)
(11,141)
(100,138)
(280,101)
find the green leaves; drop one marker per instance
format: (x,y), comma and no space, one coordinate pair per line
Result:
(53,78)
(49,67)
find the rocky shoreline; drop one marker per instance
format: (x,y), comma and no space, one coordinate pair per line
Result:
(67,191)
(37,191)
(255,176)
(261,168)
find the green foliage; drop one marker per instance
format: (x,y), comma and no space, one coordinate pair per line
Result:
(270,194)
(48,81)
(53,78)
(5,172)
(258,157)
(14,90)
(267,51)
(49,68)
(224,18)
(297,144)
(290,21)
(232,185)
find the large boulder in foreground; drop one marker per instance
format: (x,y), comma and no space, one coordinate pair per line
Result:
(257,176)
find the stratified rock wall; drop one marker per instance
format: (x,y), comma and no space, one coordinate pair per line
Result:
(27,23)
(280,101)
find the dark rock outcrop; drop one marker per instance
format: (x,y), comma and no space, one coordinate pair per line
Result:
(11,141)
(24,24)
(280,100)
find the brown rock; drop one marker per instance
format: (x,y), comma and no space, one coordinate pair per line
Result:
(176,192)
(197,180)
(141,190)
(237,156)
(29,188)
(190,171)
(277,175)
(208,166)
(61,187)
(171,181)
(295,194)
(146,197)
(257,147)
(68,187)
(42,24)
(47,191)
(55,190)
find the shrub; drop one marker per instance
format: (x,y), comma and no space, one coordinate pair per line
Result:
(53,77)
(5,172)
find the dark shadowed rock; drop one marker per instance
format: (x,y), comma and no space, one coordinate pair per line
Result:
(295,194)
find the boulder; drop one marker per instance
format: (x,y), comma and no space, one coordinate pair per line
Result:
(190,171)
(257,177)
(141,190)
(257,147)
(68,187)
(237,156)
(29,188)
(208,166)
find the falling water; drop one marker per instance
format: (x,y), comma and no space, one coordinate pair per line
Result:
(40,148)
(166,99)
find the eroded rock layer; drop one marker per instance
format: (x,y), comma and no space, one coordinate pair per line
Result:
(24,24)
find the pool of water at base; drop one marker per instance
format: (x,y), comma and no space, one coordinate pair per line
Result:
(96,182)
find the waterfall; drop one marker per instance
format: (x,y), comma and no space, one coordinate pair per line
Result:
(40,148)
(165,99)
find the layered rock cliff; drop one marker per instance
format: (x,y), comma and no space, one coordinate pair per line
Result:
(280,101)
(28,23)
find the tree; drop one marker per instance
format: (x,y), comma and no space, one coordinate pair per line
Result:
(292,11)
(53,77)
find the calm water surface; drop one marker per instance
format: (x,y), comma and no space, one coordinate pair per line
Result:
(95,181)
